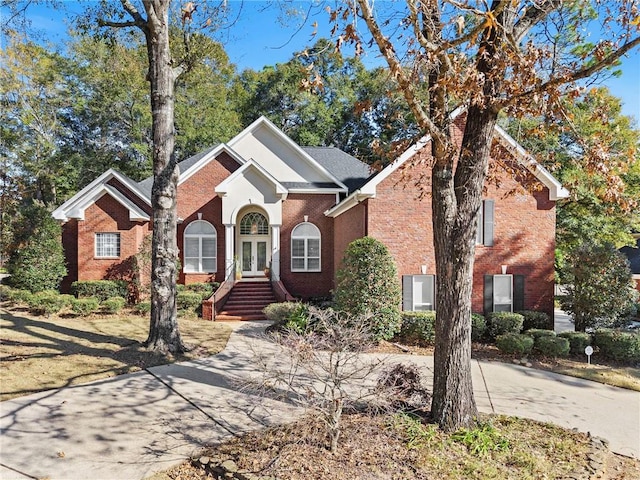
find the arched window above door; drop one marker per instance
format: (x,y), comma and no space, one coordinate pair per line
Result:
(254,223)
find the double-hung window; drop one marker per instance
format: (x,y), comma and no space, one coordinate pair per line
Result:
(107,245)
(504,293)
(484,233)
(305,248)
(418,292)
(200,247)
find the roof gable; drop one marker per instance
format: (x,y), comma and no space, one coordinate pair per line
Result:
(250,165)
(281,157)
(368,190)
(76,205)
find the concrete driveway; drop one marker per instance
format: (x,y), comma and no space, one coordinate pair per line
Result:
(130,426)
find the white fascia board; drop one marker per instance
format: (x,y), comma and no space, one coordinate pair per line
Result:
(207,158)
(285,139)
(313,191)
(556,190)
(87,195)
(77,210)
(223,187)
(351,201)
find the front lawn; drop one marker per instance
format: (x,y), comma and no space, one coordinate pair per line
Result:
(40,353)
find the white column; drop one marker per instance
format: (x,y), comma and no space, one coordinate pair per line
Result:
(275,251)
(229,247)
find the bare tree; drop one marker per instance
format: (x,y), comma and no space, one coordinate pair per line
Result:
(322,369)
(513,56)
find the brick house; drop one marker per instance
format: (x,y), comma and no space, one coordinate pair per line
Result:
(261,201)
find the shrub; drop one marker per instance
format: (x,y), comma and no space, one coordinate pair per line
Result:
(100,289)
(533,319)
(600,288)
(536,333)
(46,303)
(205,290)
(618,345)
(478,327)
(188,300)
(113,304)
(500,323)
(19,296)
(552,346)
(36,262)
(298,319)
(279,312)
(142,308)
(85,306)
(367,285)
(578,341)
(514,343)
(418,327)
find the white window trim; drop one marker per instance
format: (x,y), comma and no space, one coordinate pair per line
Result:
(306,257)
(510,291)
(200,237)
(96,247)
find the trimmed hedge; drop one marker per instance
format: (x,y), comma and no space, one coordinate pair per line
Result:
(578,341)
(532,319)
(552,346)
(113,304)
(19,296)
(100,289)
(478,327)
(204,289)
(142,308)
(536,333)
(418,327)
(618,345)
(46,303)
(188,300)
(514,343)
(85,306)
(500,323)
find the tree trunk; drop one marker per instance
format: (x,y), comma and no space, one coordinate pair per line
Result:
(164,335)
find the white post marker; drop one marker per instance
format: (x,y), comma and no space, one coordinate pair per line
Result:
(589,351)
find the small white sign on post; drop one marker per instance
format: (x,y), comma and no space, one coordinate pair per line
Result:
(589,351)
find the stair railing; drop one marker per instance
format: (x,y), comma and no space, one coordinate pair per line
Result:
(227,285)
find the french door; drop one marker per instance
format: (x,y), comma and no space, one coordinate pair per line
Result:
(254,256)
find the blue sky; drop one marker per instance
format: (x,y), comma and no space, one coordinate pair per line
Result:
(261,36)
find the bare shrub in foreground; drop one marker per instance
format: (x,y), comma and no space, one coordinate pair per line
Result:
(322,369)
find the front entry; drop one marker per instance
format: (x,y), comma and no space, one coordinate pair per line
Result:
(254,244)
(254,257)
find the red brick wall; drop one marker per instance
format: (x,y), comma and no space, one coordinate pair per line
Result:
(107,216)
(294,208)
(524,234)
(197,195)
(348,227)
(70,246)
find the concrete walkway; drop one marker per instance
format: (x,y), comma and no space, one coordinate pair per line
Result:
(130,426)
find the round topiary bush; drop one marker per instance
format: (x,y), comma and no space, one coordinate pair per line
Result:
(367,284)
(500,323)
(578,341)
(113,305)
(46,303)
(85,306)
(478,327)
(618,345)
(552,346)
(534,319)
(539,332)
(417,328)
(514,343)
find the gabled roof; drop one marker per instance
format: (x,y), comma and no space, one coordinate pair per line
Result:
(346,168)
(76,205)
(264,122)
(223,187)
(368,189)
